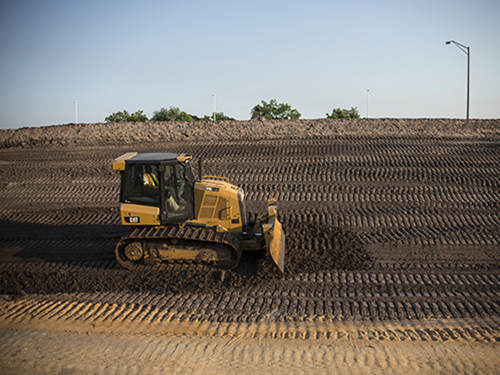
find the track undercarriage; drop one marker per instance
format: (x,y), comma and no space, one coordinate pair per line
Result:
(147,247)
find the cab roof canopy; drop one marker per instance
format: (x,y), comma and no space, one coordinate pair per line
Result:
(148,158)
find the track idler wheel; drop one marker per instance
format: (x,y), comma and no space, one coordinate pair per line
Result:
(133,251)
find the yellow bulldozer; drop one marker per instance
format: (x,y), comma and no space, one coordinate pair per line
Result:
(175,217)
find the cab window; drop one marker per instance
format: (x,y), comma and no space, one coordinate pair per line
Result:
(141,185)
(178,191)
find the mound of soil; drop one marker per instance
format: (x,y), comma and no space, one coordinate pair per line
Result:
(309,248)
(127,133)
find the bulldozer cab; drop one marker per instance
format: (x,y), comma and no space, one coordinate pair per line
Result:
(160,180)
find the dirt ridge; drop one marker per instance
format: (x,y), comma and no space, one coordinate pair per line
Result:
(127,133)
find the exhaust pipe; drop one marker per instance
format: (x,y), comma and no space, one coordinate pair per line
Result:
(200,172)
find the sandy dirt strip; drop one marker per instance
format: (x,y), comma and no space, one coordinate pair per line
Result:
(44,347)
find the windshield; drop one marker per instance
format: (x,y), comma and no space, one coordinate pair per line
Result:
(178,192)
(141,185)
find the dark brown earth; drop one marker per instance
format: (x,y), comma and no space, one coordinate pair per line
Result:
(393,252)
(342,251)
(412,218)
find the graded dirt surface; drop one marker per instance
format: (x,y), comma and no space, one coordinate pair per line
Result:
(74,349)
(393,252)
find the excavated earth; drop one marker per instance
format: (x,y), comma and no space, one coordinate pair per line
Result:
(385,220)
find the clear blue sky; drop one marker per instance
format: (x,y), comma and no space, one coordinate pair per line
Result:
(315,55)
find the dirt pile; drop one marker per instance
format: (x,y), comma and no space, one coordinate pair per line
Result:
(127,133)
(310,248)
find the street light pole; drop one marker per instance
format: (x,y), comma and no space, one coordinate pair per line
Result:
(214,109)
(76,112)
(465,50)
(368,103)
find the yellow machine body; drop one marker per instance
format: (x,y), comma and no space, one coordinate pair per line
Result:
(215,204)
(209,202)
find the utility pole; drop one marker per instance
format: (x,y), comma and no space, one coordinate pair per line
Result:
(76,112)
(214,109)
(368,103)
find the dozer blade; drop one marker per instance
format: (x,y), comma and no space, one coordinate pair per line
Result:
(277,246)
(275,237)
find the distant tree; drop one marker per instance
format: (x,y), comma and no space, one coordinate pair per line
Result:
(344,113)
(124,116)
(219,116)
(138,116)
(172,114)
(273,110)
(118,117)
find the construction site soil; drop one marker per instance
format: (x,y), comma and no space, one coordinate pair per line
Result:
(385,220)
(348,253)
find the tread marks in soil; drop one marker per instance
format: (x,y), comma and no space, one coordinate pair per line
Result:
(387,190)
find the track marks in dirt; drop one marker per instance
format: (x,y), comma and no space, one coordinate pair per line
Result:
(321,296)
(93,318)
(308,249)
(401,193)
(352,303)
(39,347)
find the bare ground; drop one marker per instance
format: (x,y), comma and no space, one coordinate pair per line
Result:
(393,254)
(105,349)
(132,133)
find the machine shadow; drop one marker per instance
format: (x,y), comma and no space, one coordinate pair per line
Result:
(28,242)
